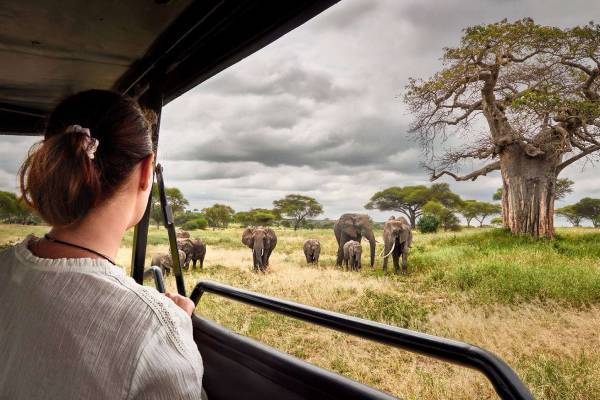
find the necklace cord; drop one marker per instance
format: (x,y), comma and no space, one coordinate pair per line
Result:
(51,239)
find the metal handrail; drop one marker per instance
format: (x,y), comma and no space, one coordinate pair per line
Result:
(169,223)
(505,381)
(159,281)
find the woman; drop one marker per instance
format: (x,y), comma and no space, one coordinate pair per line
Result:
(72,324)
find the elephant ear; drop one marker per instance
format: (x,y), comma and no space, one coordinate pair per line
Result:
(270,233)
(248,237)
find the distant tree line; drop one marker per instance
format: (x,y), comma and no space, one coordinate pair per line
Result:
(429,208)
(585,209)
(294,210)
(14,211)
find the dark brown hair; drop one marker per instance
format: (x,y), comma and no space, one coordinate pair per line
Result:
(59,180)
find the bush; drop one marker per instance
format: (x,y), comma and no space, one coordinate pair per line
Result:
(451,223)
(198,223)
(428,224)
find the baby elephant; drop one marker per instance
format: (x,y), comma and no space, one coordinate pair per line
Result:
(352,253)
(194,250)
(164,262)
(312,249)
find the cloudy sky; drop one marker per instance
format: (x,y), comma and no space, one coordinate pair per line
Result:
(319,112)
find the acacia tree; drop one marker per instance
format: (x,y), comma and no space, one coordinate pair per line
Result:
(298,208)
(175,198)
(468,209)
(571,213)
(484,210)
(589,208)
(525,99)
(218,215)
(409,200)
(256,216)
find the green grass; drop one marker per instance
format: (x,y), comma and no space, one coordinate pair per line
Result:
(493,266)
(535,303)
(564,379)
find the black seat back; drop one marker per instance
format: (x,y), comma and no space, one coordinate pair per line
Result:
(237,367)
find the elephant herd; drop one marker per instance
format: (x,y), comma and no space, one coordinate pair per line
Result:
(351,228)
(190,251)
(349,231)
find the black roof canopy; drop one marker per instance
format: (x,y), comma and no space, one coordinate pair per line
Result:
(50,49)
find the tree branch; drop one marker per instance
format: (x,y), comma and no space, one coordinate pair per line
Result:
(579,156)
(472,176)
(576,65)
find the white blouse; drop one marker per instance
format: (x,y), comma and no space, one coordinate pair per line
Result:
(81,329)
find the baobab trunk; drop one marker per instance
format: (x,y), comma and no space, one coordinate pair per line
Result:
(529,191)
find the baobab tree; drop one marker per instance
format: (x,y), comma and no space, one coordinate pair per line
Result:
(517,97)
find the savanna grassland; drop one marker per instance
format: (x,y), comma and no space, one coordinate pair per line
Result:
(536,304)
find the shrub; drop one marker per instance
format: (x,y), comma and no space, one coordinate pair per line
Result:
(198,223)
(497,221)
(428,224)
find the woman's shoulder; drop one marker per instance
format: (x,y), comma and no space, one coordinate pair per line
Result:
(166,315)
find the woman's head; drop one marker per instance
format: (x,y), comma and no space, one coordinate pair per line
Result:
(62,179)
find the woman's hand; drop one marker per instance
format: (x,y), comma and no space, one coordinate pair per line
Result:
(182,302)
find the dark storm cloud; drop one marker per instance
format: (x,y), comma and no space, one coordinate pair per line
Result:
(284,77)
(348,16)
(367,142)
(440,24)
(320,112)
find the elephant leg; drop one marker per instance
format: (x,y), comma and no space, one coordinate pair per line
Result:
(194,264)
(340,255)
(405,259)
(254,261)
(396,256)
(386,250)
(202,261)
(268,257)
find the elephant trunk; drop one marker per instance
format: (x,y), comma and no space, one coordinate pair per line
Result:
(259,251)
(372,243)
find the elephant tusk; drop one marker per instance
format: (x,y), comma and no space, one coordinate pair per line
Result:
(262,252)
(394,245)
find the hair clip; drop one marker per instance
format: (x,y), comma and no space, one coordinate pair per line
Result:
(90,143)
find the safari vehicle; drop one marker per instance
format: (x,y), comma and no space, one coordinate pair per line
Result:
(156,51)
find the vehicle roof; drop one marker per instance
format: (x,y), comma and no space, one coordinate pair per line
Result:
(50,49)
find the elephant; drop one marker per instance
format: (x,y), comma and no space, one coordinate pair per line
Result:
(312,250)
(262,241)
(353,227)
(194,251)
(397,238)
(164,262)
(352,253)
